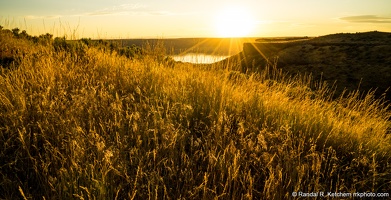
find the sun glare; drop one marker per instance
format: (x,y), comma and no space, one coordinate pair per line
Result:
(233,22)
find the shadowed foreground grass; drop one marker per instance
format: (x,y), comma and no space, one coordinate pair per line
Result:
(102,126)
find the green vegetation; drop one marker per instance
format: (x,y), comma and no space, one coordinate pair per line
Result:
(89,123)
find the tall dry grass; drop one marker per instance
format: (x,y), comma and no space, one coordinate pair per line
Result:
(95,125)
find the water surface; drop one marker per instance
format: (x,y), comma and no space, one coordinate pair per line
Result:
(199,58)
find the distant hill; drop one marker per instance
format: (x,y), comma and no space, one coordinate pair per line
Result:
(215,46)
(355,61)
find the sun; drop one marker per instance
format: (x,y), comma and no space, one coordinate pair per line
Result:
(233,22)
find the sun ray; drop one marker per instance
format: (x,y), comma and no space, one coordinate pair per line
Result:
(194,47)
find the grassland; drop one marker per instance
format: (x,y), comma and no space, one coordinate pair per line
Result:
(81,122)
(354,61)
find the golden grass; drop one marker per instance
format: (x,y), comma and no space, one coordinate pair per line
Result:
(100,126)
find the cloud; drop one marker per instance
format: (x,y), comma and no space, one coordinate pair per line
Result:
(43,17)
(366,19)
(124,9)
(160,12)
(129,6)
(128,9)
(117,10)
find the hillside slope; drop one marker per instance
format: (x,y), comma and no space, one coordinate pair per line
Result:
(355,61)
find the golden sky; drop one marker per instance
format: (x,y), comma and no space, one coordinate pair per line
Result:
(201,18)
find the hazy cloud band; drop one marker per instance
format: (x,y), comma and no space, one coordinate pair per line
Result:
(366,19)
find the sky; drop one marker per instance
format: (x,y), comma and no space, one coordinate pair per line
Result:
(103,19)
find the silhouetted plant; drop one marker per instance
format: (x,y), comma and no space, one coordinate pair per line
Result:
(60,43)
(45,38)
(24,34)
(130,52)
(155,50)
(86,41)
(15,31)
